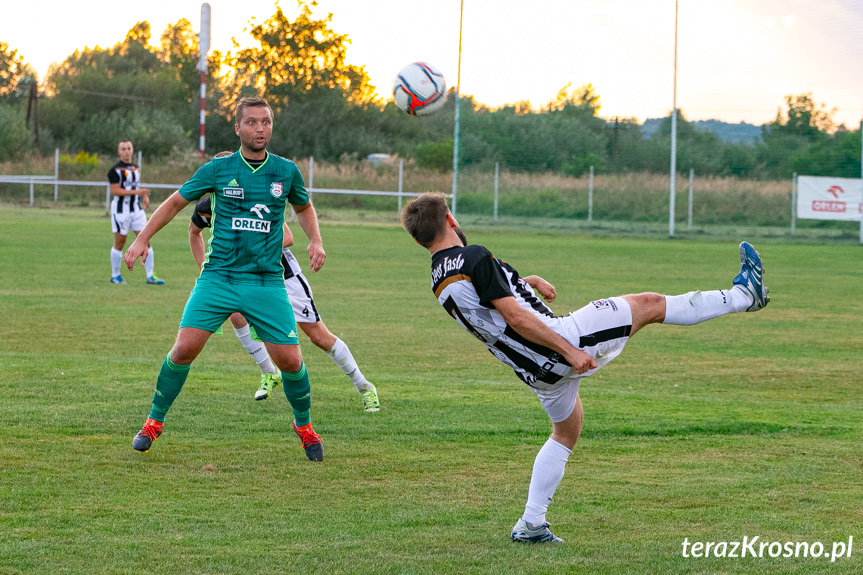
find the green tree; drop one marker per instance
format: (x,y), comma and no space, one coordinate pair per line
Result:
(584,97)
(625,143)
(13,69)
(16,80)
(565,133)
(788,141)
(15,138)
(836,155)
(577,166)
(131,90)
(179,44)
(739,159)
(804,118)
(300,67)
(696,149)
(179,56)
(435,155)
(294,61)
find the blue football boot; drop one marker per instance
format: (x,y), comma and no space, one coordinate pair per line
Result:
(751,277)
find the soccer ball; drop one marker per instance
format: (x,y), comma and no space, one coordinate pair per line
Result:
(419,89)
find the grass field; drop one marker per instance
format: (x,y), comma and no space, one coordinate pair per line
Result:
(746,426)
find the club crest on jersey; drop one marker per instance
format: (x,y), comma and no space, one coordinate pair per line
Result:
(604,304)
(276,189)
(233,193)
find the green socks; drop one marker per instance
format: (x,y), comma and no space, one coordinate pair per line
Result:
(172,377)
(168,386)
(299,394)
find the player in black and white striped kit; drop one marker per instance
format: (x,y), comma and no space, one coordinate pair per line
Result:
(127,211)
(551,354)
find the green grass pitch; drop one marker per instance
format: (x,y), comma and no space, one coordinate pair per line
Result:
(749,425)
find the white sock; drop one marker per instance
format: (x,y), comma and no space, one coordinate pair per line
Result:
(341,355)
(697,306)
(116,260)
(256,349)
(548,468)
(148,265)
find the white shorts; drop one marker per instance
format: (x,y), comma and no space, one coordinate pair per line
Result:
(300,294)
(124,222)
(559,402)
(601,329)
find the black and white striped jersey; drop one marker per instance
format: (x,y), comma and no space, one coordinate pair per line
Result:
(129,178)
(292,266)
(465,280)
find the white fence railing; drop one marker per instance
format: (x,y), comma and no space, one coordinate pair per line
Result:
(33,181)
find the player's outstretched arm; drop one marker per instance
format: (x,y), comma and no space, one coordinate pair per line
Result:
(531,327)
(308,219)
(545,289)
(196,243)
(163,214)
(119,190)
(143,193)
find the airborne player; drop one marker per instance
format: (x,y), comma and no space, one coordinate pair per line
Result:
(551,354)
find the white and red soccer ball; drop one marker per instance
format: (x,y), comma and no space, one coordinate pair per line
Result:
(419,89)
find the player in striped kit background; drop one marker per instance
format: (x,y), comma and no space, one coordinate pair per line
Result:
(128,207)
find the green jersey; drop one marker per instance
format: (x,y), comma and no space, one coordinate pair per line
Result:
(248,206)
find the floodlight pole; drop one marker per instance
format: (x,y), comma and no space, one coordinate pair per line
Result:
(673,135)
(456,126)
(860,205)
(203,116)
(204,44)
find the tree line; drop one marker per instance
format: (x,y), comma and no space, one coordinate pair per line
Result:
(327,108)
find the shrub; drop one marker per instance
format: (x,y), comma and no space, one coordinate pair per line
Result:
(434,155)
(79,165)
(15,138)
(577,166)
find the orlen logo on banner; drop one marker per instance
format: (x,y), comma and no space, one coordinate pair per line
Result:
(835,191)
(827,205)
(824,206)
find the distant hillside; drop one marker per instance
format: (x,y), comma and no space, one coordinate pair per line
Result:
(742,132)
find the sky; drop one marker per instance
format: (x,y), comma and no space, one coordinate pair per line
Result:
(737,60)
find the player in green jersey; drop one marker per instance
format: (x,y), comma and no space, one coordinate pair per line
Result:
(242,272)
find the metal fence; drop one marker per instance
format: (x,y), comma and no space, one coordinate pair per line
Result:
(593,201)
(53,181)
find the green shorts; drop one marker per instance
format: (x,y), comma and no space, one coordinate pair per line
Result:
(266,307)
